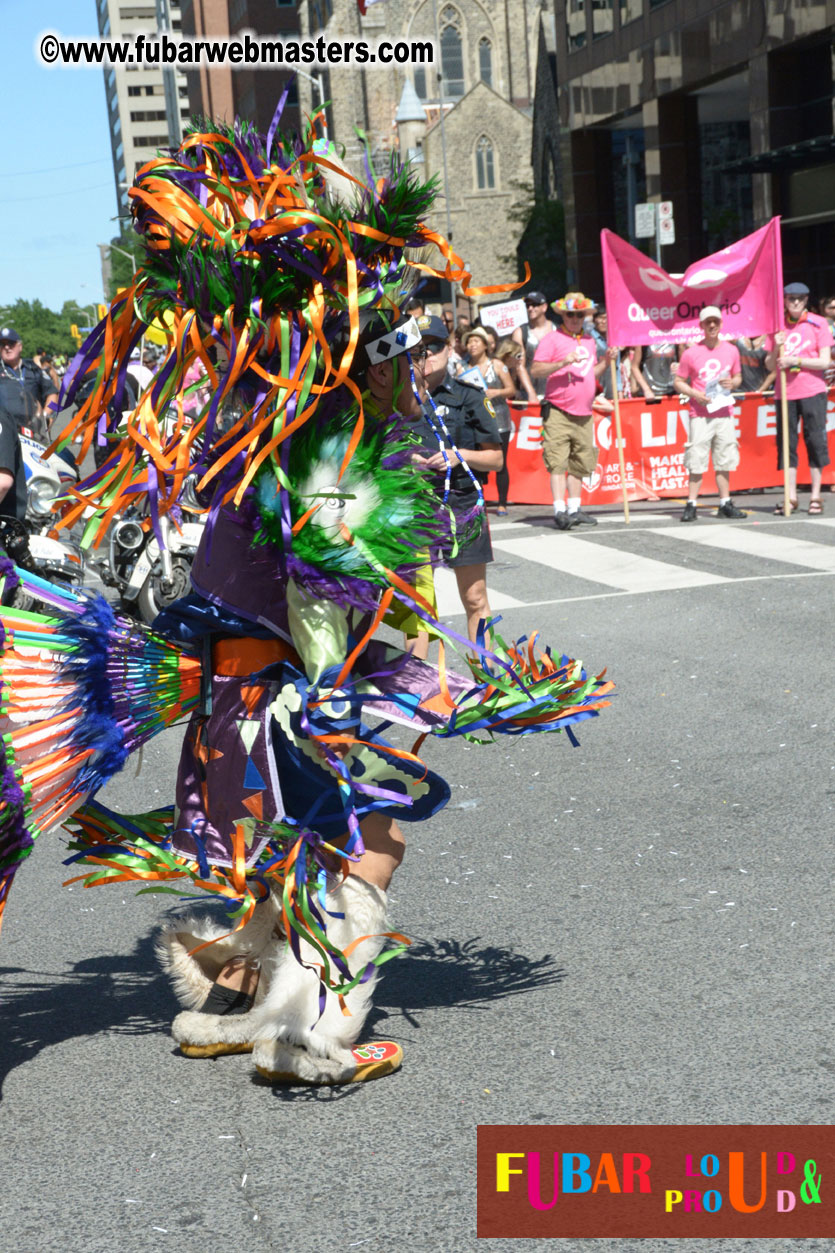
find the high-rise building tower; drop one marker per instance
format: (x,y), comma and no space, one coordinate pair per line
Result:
(224,92)
(146,105)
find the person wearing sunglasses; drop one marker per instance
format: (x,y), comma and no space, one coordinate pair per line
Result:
(26,391)
(567,360)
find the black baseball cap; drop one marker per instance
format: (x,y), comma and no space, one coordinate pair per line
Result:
(9,335)
(535,298)
(791,289)
(432,327)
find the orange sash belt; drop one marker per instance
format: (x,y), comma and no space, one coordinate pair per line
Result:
(233,657)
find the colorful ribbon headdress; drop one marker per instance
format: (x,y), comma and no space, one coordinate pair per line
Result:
(260,255)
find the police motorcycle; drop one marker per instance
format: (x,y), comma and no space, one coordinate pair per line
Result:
(47,477)
(148,575)
(148,578)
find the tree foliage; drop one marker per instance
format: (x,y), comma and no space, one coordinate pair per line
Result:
(40,327)
(541,242)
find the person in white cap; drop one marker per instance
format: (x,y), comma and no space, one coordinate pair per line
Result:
(707,374)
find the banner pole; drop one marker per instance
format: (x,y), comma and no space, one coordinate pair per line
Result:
(784,427)
(619,438)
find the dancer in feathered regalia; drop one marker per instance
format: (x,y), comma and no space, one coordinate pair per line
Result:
(280,276)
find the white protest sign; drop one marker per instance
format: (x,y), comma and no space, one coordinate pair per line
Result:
(504,317)
(644,221)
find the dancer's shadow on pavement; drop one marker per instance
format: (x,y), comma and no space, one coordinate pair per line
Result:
(122,992)
(466,975)
(125,993)
(432,975)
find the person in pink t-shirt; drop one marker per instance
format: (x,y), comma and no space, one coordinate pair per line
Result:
(707,374)
(802,353)
(567,360)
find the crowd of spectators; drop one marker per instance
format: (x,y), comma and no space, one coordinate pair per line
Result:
(507,372)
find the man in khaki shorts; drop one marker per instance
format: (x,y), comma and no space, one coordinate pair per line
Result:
(708,373)
(567,359)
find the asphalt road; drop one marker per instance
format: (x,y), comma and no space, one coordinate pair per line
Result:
(638,930)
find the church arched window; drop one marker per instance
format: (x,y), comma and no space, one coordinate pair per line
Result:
(452,59)
(485,61)
(485,165)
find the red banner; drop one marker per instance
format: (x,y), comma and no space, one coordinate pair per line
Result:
(654,434)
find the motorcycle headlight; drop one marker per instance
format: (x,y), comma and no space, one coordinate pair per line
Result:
(41,495)
(129,535)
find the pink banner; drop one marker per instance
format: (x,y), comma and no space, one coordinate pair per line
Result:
(646,305)
(654,433)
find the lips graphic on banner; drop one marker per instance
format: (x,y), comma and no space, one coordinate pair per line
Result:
(646,305)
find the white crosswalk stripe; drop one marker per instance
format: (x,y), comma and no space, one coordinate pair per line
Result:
(760,543)
(449,602)
(627,572)
(534,566)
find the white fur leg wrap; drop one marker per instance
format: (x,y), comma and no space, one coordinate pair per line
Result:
(193,974)
(290,1036)
(207,1030)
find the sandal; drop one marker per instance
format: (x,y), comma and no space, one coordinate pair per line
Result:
(501,512)
(816,506)
(779,511)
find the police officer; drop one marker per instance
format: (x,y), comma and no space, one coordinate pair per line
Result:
(12,474)
(25,391)
(469,419)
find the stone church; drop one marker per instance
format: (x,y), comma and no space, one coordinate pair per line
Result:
(467,120)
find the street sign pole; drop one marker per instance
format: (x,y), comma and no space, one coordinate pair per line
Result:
(657,236)
(655,220)
(665,232)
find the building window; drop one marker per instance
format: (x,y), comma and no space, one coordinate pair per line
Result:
(151,141)
(420,82)
(485,61)
(452,61)
(602,18)
(148,115)
(285,4)
(318,12)
(575,17)
(485,170)
(237,12)
(134,91)
(630,10)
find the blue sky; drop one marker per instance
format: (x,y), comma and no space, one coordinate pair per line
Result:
(57,193)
